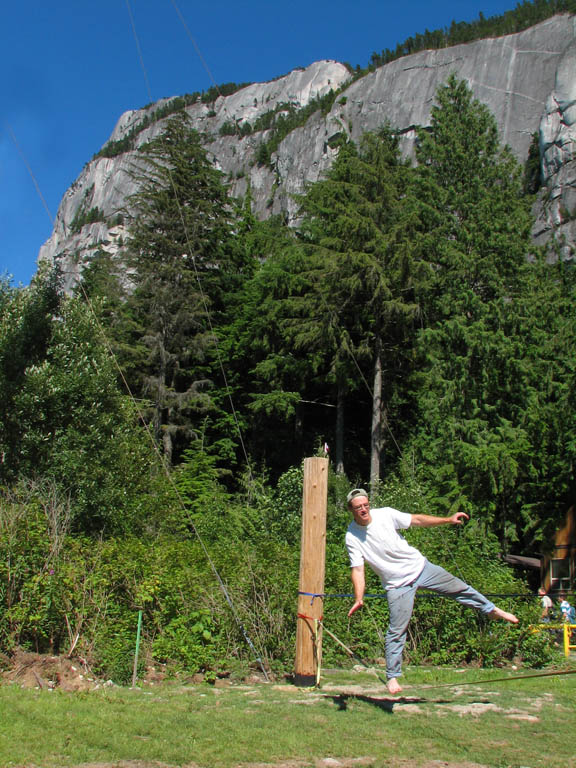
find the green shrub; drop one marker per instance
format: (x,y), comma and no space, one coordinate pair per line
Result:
(188,642)
(34,520)
(202,600)
(116,648)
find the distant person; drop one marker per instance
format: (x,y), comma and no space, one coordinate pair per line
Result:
(373,538)
(567,611)
(547,605)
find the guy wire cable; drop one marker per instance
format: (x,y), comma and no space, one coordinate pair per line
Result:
(196,48)
(332,313)
(186,232)
(163,463)
(139,49)
(29,169)
(34,181)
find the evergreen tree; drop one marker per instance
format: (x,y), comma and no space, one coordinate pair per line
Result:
(546,330)
(328,315)
(268,379)
(361,267)
(477,218)
(471,437)
(183,266)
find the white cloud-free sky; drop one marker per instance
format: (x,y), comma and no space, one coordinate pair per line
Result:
(70,68)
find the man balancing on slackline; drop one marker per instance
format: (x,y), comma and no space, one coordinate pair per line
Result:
(373,538)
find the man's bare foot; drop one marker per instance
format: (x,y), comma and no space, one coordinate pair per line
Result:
(498,613)
(393,686)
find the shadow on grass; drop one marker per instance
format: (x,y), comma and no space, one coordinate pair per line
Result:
(385,703)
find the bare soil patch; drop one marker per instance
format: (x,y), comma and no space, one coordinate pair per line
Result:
(34,670)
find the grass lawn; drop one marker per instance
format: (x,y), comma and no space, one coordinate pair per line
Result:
(350,720)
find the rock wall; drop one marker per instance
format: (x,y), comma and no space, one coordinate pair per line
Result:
(527,80)
(557,210)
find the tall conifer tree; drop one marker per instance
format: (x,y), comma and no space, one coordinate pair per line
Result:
(182,263)
(477,242)
(359,305)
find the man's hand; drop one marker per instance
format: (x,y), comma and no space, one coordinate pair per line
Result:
(357,605)
(458,518)
(357,576)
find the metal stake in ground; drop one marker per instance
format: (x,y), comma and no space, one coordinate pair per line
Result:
(312,565)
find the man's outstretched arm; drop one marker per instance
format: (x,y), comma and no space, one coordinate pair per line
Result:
(427,521)
(359,584)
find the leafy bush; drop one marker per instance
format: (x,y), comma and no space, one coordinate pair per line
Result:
(79,431)
(203,601)
(188,643)
(116,643)
(34,521)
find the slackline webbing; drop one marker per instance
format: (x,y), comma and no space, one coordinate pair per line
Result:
(446,685)
(420,593)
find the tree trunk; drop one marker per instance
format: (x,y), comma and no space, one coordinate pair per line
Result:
(298,431)
(339,453)
(168,446)
(376,431)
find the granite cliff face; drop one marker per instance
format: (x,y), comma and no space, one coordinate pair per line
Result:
(527,80)
(557,211)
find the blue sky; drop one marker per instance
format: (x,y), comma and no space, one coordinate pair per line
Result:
(71,67)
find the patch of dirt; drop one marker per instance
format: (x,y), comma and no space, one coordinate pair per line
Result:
(34,670)
(475,708)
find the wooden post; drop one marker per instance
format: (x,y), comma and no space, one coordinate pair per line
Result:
(312,564)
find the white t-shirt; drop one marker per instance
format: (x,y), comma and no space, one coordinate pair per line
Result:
(381,546)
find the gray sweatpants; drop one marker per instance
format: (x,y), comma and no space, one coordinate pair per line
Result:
(401,604)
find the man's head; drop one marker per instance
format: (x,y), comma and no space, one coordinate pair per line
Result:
(359,505)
